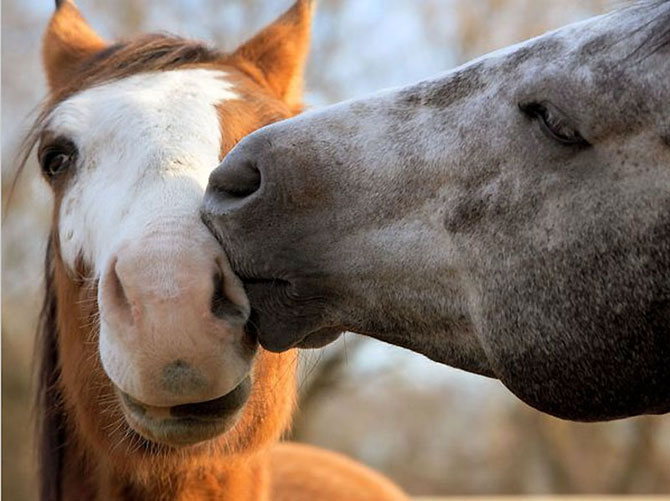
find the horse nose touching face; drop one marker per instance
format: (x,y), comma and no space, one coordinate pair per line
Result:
(172,331)
(235,181)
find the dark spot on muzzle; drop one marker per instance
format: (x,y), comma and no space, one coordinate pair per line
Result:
(180,378)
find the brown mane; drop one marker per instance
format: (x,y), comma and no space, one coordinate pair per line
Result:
(151,52)
(50,423)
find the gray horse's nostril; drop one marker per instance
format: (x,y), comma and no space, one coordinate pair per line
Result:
(235,178)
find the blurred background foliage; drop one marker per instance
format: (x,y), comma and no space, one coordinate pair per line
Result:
(433,429)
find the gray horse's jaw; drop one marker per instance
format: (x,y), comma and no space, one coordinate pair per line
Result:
(278,337)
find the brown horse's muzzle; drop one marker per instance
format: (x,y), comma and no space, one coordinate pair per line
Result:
(172,337)
(186,424)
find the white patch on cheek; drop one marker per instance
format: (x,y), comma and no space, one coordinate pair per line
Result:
(147,144)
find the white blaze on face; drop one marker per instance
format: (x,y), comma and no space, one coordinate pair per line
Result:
(147,144)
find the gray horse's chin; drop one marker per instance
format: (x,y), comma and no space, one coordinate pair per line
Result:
(320,338)
(288,314)
(278,339)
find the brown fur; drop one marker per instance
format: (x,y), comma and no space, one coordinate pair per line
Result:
(87,449)
(332,476)
(268,66)
(68,41)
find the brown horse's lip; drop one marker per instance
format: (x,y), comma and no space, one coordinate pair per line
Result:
(217,408)
(214,409)
(186,424)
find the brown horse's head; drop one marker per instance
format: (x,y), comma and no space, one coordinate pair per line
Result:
(144,321)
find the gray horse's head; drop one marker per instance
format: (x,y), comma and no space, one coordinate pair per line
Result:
(510,218)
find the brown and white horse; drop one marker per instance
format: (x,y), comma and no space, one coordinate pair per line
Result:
(149,386)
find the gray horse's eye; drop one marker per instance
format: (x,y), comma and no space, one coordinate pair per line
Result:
(553,123)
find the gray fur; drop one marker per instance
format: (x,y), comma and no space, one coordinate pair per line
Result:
(440,218)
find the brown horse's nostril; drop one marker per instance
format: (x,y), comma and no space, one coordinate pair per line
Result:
(115,295)
(222,307)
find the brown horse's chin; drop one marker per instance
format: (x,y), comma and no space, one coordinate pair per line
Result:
(184,425)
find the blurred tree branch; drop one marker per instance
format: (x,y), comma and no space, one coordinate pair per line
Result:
(323,377)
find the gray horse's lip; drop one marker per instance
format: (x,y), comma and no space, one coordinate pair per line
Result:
(275,282)
(320,338)
(268,342)
(311,340)
(283,316)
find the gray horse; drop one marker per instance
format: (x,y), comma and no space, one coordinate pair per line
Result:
(510,218)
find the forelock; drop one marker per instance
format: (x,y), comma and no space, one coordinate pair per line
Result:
(152,52)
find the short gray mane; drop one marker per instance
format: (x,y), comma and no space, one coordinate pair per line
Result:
(658,28)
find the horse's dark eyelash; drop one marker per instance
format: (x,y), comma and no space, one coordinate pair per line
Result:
(54,148)
(537,110)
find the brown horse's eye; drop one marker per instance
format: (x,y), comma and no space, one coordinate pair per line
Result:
(57,157)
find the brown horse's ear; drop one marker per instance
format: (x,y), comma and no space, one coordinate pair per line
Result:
(68,41)
(276,56)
